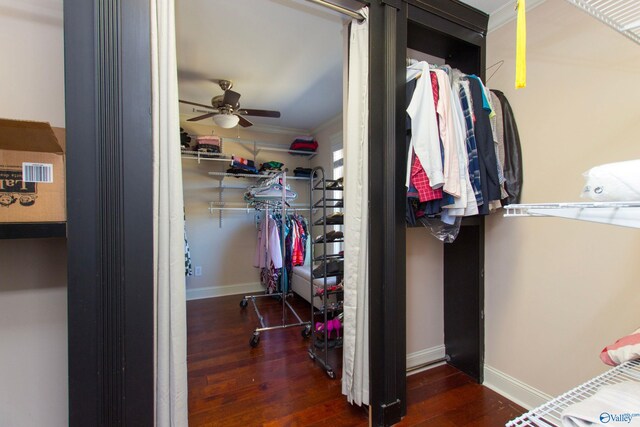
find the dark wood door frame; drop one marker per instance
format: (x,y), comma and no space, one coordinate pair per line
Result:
(387,241)
(109,197)
(109,205)
(464,288)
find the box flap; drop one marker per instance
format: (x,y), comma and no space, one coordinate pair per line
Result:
(22,135)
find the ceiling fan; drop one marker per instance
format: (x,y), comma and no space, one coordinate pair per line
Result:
(226,111)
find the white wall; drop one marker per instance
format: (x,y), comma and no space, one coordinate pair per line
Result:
(226,253)
(558,291)
(33,293)
(325,134)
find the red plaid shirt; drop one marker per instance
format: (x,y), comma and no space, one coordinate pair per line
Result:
(420,181)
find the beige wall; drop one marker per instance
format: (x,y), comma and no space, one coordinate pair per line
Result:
(425,309)
(558,291)
(33,278)
(325,134)
(226,253)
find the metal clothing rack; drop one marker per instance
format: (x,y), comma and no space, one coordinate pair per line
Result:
(220,206)
(550,414)
(275,205)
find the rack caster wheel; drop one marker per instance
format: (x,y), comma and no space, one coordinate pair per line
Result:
(311,355)
(331,374)
(255,340)
(243,303)
(306,332)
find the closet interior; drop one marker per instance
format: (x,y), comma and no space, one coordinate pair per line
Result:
(460,44)
(263,196)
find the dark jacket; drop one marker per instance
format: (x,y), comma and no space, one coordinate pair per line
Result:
(512,153)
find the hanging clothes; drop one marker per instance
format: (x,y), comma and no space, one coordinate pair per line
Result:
(513,152)
(457,154)
(486,151)
(188,267)
(268,245)
(425,139)
(497,123)
(276,266)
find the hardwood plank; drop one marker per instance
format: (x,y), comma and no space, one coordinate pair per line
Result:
(277,384)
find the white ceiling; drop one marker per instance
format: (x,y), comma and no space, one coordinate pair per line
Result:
(283,55)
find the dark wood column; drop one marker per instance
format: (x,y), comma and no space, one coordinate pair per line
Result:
(387,247)
(109,202)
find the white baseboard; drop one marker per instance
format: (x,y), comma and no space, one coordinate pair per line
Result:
(220,291)
(513,389)
(424,356)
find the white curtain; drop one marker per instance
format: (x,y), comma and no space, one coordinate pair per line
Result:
(355,375)
(168,223)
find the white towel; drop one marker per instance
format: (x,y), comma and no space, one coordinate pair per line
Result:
(611,405)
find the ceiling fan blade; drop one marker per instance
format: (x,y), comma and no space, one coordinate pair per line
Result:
(196,104)
(202,117)
(230,98)
(259,113)
(244,122)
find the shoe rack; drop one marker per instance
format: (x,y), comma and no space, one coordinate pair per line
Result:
(327,267)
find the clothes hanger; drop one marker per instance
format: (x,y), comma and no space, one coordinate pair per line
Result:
(498,64)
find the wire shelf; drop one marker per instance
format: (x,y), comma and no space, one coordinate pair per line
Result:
(550,413)
(199,156)
(625,214)
(253,175)
(621,15)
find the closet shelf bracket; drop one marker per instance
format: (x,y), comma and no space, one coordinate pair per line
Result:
(625,214)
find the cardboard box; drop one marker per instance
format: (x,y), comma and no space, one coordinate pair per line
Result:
(32,172)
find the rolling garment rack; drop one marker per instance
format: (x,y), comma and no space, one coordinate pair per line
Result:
(274,204)
(331,297)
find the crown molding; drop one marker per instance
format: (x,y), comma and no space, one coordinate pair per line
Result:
(507,13)
(327,124)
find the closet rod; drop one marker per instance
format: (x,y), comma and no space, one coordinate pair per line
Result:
(338,8)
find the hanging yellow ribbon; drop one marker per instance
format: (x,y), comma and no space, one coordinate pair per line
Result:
(521,46)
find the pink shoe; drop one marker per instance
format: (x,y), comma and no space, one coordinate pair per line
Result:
(336,325)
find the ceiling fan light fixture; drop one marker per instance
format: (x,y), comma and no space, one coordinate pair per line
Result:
(226,121)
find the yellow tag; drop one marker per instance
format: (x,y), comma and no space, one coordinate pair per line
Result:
(521,46)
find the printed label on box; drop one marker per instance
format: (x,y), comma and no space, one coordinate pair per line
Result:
(37,172)
(14,189)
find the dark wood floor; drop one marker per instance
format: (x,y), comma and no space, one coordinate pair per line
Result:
(277,384)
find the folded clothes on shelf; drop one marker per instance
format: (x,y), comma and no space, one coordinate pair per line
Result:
(208,144)
(271,166)
(331,236)
(303,172)
(304,143)
(244,164)
(239,171)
